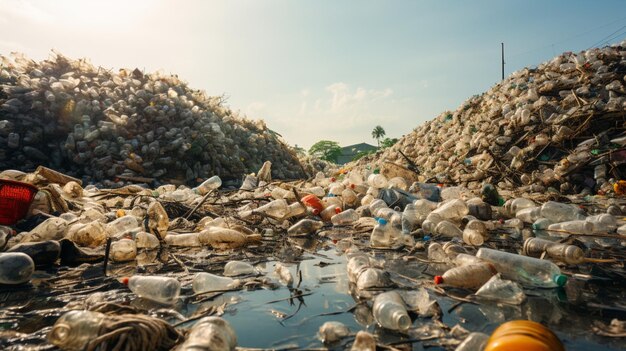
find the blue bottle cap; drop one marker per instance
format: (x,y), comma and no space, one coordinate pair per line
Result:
(426,237)
(382,221)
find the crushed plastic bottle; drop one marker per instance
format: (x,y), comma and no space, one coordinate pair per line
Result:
(160,289)
(183,240)
(210,184)
(345,217)
(305,227)
(158,221)
(501,290)
(383,235)
(123,250)
(283,274)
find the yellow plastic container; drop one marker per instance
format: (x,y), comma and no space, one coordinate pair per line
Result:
(523,335)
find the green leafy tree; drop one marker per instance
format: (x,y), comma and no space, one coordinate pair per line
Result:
(362,154)
(378,133)
(388,142)
(326,150)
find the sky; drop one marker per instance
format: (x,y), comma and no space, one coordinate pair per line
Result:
(318,69)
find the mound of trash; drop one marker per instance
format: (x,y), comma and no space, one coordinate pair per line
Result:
(559,125)
(126,126)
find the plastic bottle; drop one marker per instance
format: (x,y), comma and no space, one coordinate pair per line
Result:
(208,185)
(602,223)
(390,311)
(164,290)
(471,276)
(145,240)
(409,219)
(448,229)
(575,227)
(332,331)
(283,274)
(329,212)
(121,225)
(313,202)
(383,235)
(542,224)
(356,264)
(372,278)
(523,335)
(349,197)
(452,210)
(364,341)
(203,282)
(91,234)
(123,250)
(295,209)
(158,221)
(475,233)
(345,217)
(526,270)
(305,227)
(277,209)
(235,268)
(378,181)
(560,212)
(15,268)
(430,192)
(473,342)
(223,238)
(569,254)
(529,214)
(210,333)
(75,329)
(183,240)
(430,223)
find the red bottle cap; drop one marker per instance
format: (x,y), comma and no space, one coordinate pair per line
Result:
(124,280)
(438,279)
(352,186)
(337,210)
(333,179)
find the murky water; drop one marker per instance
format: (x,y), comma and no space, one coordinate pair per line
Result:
(290,317)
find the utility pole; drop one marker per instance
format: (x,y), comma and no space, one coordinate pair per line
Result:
(502,61)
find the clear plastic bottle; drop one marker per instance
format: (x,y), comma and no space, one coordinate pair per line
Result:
(332,331)
(453,210)
(121,225)
(283,274)
(223,238)
(305,227)
(475,233)
(75,329)
(123,250)
(448,229)
(356,264)
(235,268)
(15,268)
(390,311)
(602,223)
(372,278)
(470,276)
(560,212)
(349,197)
(210,333)
(526,270)
(51,229)
(203,282)
(346,217)
(529,214)
(158,221)
(164,290)
(277,208)
(378,181)
(409,219)
(183,240)
(91,234)
(430,223)
(575,227)
(383,235)
(208,185)
(570,254)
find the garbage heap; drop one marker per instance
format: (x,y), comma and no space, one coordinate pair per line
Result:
(183,246)
(559,125)
(110,127)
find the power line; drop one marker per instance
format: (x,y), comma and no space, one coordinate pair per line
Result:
(571,37)
(603,40)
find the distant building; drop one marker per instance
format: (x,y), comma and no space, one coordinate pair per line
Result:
(349,152)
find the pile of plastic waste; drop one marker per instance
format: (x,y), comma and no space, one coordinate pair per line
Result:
(173,244)
(558,125)
(126,127)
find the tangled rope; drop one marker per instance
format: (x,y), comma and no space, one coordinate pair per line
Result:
(134,332)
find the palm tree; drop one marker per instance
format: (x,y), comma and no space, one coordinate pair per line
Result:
(378,133)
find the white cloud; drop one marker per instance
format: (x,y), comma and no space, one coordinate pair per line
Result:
(343,98)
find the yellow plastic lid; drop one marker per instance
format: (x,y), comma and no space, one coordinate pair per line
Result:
(523,335)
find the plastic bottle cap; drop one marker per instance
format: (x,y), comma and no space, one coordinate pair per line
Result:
(382,221)
(337,210)
(438,279)
(124,280)
(560,279)
(332,179)
(500,202)
(426,237)
(352,186)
